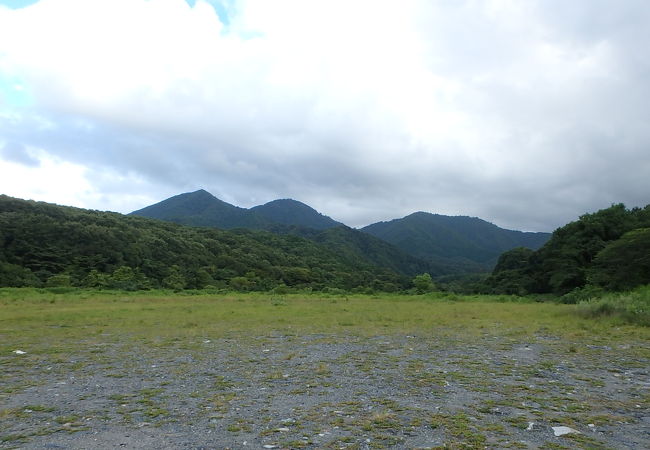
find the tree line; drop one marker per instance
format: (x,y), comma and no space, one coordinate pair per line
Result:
(607,250)
(49,245)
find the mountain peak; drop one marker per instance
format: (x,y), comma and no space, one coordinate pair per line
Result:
(200,208)
(288,211)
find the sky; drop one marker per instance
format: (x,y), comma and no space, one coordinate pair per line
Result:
(525,113)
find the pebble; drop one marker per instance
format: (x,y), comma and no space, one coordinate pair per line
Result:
(561,431)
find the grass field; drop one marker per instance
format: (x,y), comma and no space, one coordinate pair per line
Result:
(33,316)
(348,371)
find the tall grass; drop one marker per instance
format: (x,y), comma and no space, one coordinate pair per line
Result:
(630,307)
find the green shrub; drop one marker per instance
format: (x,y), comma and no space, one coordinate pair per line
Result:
(632,307)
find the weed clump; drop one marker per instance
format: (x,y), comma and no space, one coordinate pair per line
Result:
(632,307)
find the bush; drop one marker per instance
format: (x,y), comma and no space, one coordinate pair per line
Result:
(632,307)
(423,283)
(60,280)
(582,294)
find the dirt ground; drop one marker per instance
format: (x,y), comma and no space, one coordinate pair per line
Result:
(328,391)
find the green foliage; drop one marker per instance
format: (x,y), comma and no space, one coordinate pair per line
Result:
(624,263)
(41,242)
(60,280)
(631,307)
(423,283)
(608,248)
(13,275)
(175,279)
(128,279)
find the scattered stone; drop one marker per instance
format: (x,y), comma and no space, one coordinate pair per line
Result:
(283,429)
(561,431)
(269,446)
(19,352)
(530,426)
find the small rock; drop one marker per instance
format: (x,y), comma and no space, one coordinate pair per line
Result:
(283,429)
(19,352)
(530,426)
(269,446)
(561,431)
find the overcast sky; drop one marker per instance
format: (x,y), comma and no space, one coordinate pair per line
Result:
(524,113)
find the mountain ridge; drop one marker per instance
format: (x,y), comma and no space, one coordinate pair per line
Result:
(446,244)
(449,240)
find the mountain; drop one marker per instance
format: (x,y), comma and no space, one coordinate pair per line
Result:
(441,244)
(292,212)
(200,208)
(48,245)
(453,243)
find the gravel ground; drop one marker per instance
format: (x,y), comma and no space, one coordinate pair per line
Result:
(322,391)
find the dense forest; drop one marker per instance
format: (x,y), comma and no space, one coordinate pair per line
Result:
(56,246)
(49,245)
(608,250)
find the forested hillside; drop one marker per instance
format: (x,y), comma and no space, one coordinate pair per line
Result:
(200,208)
(44,244)
(609,249)
(354,245)
(453,243)
(293,212)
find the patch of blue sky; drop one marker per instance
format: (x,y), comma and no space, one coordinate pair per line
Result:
(222,8)
(15,4)
(14,93)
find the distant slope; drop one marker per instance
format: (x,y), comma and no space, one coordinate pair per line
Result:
(354,245)
(45,244)
(200,208)
(453,243)
(292,212)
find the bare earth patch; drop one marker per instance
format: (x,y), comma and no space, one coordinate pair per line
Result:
(438,389)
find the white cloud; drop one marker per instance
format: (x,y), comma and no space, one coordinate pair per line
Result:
(367,110)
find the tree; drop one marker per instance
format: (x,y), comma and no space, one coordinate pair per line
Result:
(175,279)
(95,279)
(60,280)
(423,283)
(624,263)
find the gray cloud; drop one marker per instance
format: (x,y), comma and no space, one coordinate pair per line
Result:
(16,152)
(527,114)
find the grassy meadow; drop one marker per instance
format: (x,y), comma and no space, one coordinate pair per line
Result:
(147,369)
(44,318)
